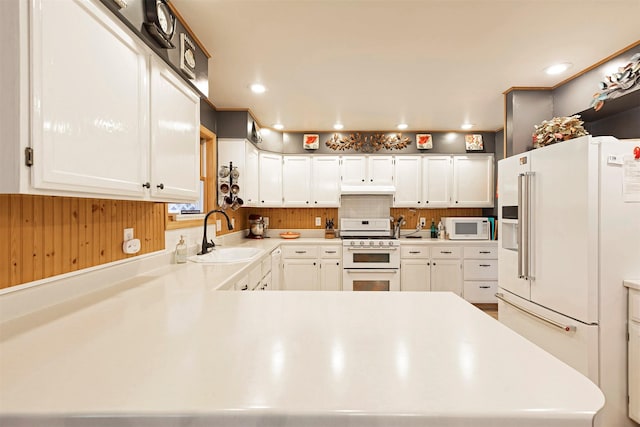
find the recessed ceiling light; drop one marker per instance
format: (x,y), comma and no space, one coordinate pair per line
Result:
(258,88)
(403,126)
(278,126)
(338,126)
(466,126)
(557,68)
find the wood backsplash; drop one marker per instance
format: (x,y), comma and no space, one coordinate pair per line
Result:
(412,216)
(296,218)
(42,236)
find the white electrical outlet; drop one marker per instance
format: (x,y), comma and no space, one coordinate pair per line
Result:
(218,225)
(423,221)
(128,234)
(318,221)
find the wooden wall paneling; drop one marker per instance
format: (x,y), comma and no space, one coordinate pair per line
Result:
(5,240)
(74,243)
(27,228)
(38,237)
(412,216)
(48,236)
(296,218)
(16,241)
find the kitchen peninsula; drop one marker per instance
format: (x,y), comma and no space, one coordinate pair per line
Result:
(166,347)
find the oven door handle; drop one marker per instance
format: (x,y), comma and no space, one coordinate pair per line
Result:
(373,249)
(367,271)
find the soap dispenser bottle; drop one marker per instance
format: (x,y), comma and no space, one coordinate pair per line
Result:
(181,251)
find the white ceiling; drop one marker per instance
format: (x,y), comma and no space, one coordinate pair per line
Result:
(433,64)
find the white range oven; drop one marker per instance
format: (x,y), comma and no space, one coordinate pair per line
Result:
(371,258)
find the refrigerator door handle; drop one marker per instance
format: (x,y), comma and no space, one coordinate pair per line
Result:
(520,225)
(565,328)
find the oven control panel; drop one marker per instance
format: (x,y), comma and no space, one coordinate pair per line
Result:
(371,243)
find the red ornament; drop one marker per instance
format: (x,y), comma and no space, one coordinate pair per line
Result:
(636,153)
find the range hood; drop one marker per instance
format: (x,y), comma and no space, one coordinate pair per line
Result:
(367,189)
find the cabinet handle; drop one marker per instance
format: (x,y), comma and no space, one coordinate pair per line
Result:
(415,252)
(329,252)
(363,180)
(433,263)
(485,252)
(316,202)
(314,263)
(427,201)
(418,201)
(146,185)
(371,180)
(337,263)
(245,287)
(428,263)
(301,252)
(160,186)
(565,328)
(307,202)
(445,252)
(484,265)
(485,287)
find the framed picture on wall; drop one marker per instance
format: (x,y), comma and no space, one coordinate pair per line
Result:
(424,141)
(473,142)
(311,141)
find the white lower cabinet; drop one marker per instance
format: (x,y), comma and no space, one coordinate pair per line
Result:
(634,355)
(481,273)
(311,268)
(424,268)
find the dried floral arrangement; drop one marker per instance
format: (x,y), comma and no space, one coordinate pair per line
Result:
(558,129)
(618,83)
(369,143)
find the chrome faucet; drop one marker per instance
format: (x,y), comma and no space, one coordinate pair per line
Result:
(396,231)
(206,245)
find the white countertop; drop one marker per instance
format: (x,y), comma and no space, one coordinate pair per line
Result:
(165,346)
(632,284)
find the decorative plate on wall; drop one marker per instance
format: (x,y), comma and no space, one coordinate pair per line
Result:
(473,142)
(311,141)
(187,56)
(424,141)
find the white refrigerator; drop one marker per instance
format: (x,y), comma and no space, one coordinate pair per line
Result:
(570,234)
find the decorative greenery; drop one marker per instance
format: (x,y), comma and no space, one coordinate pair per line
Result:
(368,143)
(558,129)
(618,83)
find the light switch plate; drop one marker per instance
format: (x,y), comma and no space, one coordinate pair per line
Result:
(128,234)
(423,221)
(318,221)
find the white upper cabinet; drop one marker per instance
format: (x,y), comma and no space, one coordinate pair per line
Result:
(437,175)
(473,181)
(408,175)
(325,182)
(89,111)
(380,170)
(270,179)
(251,175)
(296,181)
(100,116)
(175,136)
(354,170)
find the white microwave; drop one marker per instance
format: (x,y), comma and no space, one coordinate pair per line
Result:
(467,228)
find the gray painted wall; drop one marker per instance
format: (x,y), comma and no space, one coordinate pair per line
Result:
(527,108)
(623,125)
(576,95)
(208,116)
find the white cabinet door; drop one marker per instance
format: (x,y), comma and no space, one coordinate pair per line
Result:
(473,181)
(407,178)
(354,170)
(380,170)
(89,99)
(436,181)
(296,181)
(325,182)
(446,275)
(270,179)
(634,370)
(300,274)
(415,275)
(249,188)
(330,275)
(175,137)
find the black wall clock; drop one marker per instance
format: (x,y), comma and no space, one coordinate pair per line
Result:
(160,22)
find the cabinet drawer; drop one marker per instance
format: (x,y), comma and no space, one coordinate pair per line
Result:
(414,252)
(446,252)
(330,251)
(242,284)
(300,251)
(634,305)
(255,276)
(481,269)
(480,252)
(480,292)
